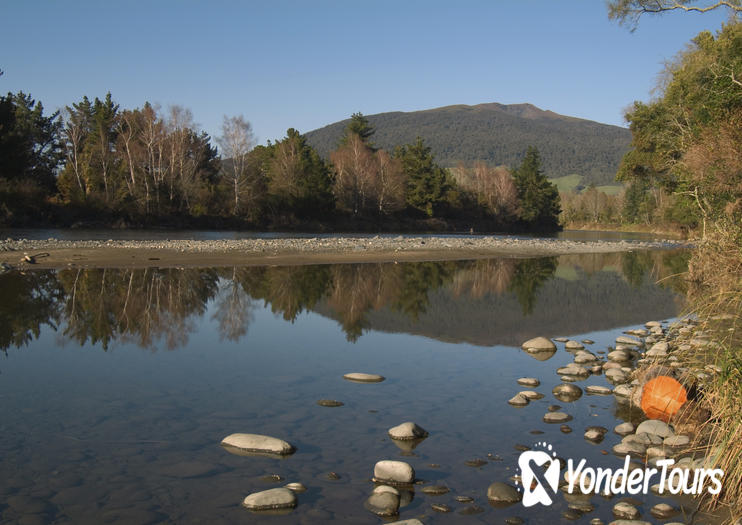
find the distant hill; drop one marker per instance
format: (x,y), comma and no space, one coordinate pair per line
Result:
(498,134)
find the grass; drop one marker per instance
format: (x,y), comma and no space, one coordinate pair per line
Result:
(567,183)
(715,296)
(610,189)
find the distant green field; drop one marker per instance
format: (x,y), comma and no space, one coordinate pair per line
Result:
(569,183)
(611,189)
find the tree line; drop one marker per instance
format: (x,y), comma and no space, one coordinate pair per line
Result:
(94,161)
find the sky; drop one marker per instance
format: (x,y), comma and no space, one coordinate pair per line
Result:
(306,64)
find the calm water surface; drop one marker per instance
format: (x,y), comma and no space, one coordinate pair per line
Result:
(117,385)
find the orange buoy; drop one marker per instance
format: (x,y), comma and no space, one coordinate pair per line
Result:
(662,397)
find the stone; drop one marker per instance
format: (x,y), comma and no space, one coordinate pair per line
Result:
(556,417)
(383,501)
(273,499)
(330,403)
(655,426)
(663,511)
(407,431)
(435,490)
(627,340)
(531,395)
(598,390)
(567,392)
(622,391)
(464,499)
(440,507)
(616,375)
(658,350)
(583,356)
(561,339)
(624,429)
(565,429)
(625,511)
(573,369)
(595,434)
(619,356)
(518,400)
(588,342)
(529,381)
(676,441)
(246,444)
(296,487)
(360,377)
(406,522)
(501,493)
(539,344)
(395,472)
(629,449)
(573,345)
(647,439)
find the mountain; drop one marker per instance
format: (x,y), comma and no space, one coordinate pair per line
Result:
(498,134)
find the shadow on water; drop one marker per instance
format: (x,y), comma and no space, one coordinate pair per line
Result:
(470,301)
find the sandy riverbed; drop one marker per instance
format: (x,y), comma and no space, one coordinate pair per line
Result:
(55,253)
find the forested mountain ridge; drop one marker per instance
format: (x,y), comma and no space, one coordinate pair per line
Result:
(499,135)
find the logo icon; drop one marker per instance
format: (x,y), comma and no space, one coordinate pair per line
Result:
(539,475)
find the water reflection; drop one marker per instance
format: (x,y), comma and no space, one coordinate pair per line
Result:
(450,300)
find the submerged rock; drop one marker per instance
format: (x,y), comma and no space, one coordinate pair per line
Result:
(501,493)
(246,444)
(436,490)
(567,392)
(384,501)
(330,403)
(395,472)
(556,417)
(360,377)
(273,499)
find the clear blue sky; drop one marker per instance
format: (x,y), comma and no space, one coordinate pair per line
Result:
(305,64)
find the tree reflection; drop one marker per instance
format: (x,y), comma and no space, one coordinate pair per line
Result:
(233,307)
(529,276)
(157,308)
(27,302)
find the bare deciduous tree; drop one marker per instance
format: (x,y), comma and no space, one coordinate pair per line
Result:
(236,142)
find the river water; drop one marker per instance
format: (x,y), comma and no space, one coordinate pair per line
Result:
(117,386)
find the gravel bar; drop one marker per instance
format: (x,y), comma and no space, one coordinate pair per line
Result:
(127,253)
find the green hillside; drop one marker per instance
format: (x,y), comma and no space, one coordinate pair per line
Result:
(498,134)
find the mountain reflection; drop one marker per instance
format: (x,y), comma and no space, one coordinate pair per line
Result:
(157,308)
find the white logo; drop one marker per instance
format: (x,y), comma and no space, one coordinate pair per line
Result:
(539,475)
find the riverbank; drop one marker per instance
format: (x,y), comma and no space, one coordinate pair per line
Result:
(55,253)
